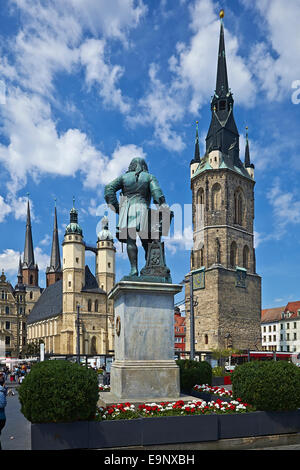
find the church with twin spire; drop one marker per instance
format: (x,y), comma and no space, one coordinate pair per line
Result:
(226,287)
(30,314)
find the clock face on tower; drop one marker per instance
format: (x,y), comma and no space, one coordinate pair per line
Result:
(199,280)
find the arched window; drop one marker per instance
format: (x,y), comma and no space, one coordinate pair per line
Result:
(31,295)
(206,339)
(246,257)
(31,279)
(89,305)
(201,258)
(96,305)
(93,345)
(200,208)
(233,255)
(216,197)
(238,207)
(200,196)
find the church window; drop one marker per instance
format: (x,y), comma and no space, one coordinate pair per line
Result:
(216,197)
(89,305)
(109,265)
(199,207)
(233,255)
(201,258)
(7,340)
(77,260)
(69,283)
(206,339)
(96,305)
(246,257)
(93,345)
(238,207)
(31,295)
(31,279)
(2,295)
(7,310)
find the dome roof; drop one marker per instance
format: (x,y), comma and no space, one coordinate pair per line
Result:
(105,233)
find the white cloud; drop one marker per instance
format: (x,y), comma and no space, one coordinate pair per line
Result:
(106,76)
(9,261)
(180,240)
(4,209)
(161,107)
(286,208)
(276,60)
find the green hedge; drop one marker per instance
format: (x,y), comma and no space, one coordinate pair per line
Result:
(194,373)
(268,385)
(59,391)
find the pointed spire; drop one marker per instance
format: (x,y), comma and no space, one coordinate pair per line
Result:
(197,150)
(222,87)
(55,263)
(247,151)
(20,274)
(223,131)
(28,260)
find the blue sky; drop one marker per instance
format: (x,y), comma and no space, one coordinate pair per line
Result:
(85,85)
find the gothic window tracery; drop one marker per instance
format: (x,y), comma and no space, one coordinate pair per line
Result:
(233,255)
(238,207)
(246,257)
(216,197)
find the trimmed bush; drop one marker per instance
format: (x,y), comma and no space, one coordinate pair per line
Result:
(268,385)
(194,373)
(59,391)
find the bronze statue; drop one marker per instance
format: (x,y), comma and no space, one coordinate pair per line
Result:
(138,187)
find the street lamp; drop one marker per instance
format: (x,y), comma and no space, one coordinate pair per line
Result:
(196,282)
(78,334)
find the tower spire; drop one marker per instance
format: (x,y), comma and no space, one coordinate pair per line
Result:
(29,268)
(28,260)
(196,158)
(222,87)
(20,274)
(222,133)
(55,262)
(247,151)
(54,272)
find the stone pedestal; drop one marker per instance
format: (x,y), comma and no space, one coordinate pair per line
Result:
(144,365)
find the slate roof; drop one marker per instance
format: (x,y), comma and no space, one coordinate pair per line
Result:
(50,302)
(91,284)
(48,305)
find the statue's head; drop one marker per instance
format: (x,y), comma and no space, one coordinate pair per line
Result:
(137,165)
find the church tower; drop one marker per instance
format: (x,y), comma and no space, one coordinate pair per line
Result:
(105,258)
(226,289)
(54,271)
(73,263)
(30,270)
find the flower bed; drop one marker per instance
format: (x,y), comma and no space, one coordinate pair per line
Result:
(219,391)
(178,408)
(104,388)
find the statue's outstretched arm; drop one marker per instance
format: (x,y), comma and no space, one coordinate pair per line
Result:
(110,191)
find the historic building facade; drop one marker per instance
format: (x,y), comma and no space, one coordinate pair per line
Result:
(280,328)
(227,289)
(73,294)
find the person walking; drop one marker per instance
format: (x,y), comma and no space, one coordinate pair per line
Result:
(3,393)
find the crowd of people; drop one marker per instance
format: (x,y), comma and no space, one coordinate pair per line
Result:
(16,374)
